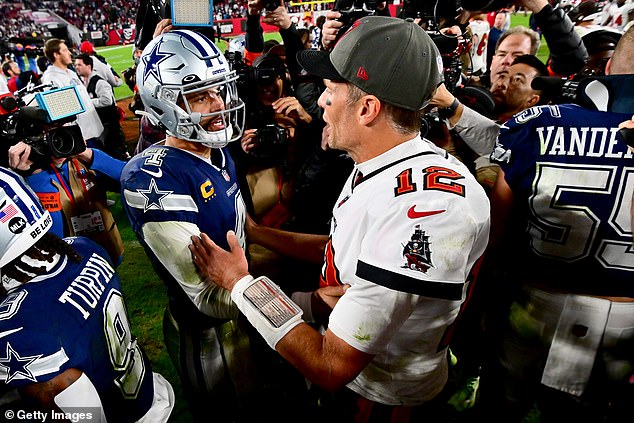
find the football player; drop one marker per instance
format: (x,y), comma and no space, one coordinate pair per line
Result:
(180,187)
(562,230)
(384,352)
(65,339)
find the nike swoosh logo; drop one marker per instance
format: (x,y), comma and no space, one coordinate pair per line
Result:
(413,214)
(156,174)
(9,332)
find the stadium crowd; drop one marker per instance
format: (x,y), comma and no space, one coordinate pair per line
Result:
(376,219)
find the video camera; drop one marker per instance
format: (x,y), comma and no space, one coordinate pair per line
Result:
(614,93)
(44,127)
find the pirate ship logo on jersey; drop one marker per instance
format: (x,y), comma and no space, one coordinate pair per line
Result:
(416,251)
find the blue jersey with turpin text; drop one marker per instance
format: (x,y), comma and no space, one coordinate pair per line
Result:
(573,178)
(75,317)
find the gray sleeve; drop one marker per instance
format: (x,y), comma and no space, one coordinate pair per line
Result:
(104,94)
(477,131)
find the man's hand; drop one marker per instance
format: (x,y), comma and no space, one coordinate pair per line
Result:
(330,29)
(278,17)
(249,140)
(86,156)
(19,156)
(222,267)
(164,25)
(324,300)
(290,107)
(254,7)
(442,97)
(627,132)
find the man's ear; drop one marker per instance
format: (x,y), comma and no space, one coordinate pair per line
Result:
(608,66)
(533,100)
(370,108)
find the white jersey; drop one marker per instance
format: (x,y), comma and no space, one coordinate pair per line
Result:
(406,239)
(479,45)
(88,121)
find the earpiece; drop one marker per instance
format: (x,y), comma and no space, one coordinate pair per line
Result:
(328,102)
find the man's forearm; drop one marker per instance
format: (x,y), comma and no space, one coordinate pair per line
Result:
(567,52)
(304,247)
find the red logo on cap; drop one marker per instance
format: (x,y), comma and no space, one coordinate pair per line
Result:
(362,74)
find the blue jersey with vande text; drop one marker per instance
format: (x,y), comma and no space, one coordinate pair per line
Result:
(573,177)
(75,317)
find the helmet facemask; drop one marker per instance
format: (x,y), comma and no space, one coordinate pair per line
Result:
(195,126)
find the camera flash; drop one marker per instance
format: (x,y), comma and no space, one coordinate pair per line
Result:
(60,103)
(192,12)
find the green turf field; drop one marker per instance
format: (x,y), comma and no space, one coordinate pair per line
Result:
(144,292)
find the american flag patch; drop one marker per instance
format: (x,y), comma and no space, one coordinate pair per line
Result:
(8,213)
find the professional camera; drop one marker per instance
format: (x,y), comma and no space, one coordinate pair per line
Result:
(351,10)
(608,92)
(271,5)
(271,135)
(46,127)
(451,48)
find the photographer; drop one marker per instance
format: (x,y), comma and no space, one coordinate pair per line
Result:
(105,104)
(73,190)
(59,75)
(281,139)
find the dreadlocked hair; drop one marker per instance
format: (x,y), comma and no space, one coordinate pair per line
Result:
(43,250)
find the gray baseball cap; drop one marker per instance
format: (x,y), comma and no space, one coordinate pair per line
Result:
(391,58)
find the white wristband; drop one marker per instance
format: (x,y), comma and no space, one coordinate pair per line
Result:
(266,307)
(303,300)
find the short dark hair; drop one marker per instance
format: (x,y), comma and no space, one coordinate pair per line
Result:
(84,57)
(6,67)
(51,47)
(533,62)
(402,120)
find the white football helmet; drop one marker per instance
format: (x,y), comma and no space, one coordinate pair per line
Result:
(183,62)
(23,220)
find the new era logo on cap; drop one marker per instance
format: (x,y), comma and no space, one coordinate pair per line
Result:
(362,74)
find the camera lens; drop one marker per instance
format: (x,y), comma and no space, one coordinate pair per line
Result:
(61,142)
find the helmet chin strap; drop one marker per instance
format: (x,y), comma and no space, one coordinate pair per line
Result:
(217,139)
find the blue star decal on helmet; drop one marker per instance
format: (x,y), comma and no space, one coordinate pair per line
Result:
(153,197)
(152,60)
(16,365)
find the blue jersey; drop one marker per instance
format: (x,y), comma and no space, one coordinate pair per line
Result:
(75,317)
(572,179)
(163,184)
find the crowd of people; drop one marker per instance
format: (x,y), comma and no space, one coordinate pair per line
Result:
(87,15)
(383,220)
